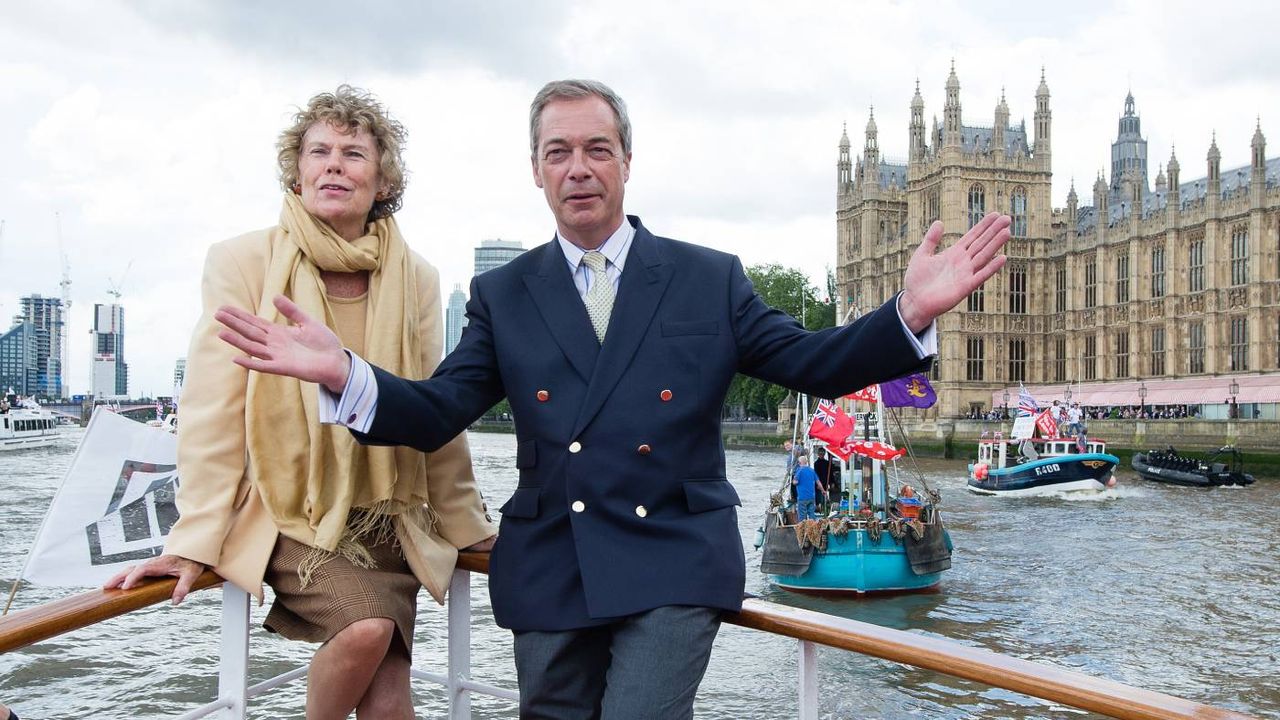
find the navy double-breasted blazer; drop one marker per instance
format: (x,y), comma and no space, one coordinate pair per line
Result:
(622,504)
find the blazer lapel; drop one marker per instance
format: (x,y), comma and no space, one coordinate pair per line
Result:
(561,308)
(640,289)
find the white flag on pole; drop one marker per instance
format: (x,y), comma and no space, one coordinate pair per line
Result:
(115,506)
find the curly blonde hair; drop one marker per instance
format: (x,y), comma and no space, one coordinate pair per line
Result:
(354,109)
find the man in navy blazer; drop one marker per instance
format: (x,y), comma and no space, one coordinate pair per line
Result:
(620,546)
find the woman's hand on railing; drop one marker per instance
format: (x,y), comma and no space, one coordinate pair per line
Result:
(161,566)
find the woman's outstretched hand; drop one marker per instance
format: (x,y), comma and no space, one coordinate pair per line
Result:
(305,349)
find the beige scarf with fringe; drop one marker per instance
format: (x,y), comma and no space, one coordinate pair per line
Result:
(312,476)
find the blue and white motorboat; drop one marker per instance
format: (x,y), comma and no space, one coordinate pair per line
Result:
(1041,466)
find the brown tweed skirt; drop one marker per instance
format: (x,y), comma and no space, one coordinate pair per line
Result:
(340,593)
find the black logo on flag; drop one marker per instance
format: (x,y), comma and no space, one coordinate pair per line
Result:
(139,516)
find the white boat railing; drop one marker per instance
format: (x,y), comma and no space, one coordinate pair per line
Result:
(810,629)
(234,692)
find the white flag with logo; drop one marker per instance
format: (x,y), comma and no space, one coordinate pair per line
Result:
(115,506)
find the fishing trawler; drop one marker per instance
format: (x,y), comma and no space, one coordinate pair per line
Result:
(1037,460)
(876,540)
(1041,466)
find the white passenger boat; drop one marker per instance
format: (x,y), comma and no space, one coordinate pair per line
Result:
(27,426)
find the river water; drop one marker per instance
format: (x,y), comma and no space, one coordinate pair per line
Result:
(1166,588)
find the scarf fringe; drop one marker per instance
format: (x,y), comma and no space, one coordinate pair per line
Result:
(367,527)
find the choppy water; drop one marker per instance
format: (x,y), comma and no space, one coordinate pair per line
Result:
(1167,588)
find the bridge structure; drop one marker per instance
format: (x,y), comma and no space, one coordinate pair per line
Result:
(81,412)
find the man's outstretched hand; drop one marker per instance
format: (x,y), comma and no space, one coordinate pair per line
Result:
(934,283)
(306,349)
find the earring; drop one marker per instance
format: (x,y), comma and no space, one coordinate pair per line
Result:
(297,188)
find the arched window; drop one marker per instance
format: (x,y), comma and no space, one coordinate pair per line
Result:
(1017,291)
(1018,211)
(1157,272)
(975,351)
(1239,255)
(977,204)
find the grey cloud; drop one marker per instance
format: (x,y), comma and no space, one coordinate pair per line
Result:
(401,38)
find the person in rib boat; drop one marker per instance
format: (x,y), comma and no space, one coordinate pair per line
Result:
(345,534)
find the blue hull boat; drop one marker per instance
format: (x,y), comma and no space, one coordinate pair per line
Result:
(1089,472)
(855,564)
(1057,467)
(881,537)
(855,554)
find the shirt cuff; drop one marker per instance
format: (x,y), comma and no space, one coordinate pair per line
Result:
(355,407)
(926,343)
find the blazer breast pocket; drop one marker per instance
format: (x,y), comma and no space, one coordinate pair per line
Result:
(710,494)
(677,328)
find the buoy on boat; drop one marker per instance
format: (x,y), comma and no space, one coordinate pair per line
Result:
(759,538)
(1111,480)
(980,471)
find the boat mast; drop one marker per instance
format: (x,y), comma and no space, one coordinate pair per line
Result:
(880,486)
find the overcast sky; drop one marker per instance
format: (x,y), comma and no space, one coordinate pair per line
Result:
(149,126)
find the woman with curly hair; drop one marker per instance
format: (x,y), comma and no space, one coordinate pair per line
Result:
(344,534)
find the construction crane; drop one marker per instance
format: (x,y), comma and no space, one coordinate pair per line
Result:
(118,287)
(66,305)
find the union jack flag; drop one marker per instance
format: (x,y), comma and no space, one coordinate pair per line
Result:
(824,414)
(830,424)
(1026,403)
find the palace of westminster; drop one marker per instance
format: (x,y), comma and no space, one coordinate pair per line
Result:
(1176,282)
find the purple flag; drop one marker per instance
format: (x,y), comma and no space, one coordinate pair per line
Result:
(910,391)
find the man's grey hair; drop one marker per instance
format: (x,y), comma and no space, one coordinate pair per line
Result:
(573,90)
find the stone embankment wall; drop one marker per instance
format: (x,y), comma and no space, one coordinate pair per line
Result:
(1249,435)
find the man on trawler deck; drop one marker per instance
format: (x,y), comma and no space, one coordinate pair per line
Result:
(615,347)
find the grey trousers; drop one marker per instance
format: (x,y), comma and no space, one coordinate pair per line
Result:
(642,667)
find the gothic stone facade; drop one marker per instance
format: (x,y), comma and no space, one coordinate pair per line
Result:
(1178,280)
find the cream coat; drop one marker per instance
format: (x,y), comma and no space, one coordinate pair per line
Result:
(223,522)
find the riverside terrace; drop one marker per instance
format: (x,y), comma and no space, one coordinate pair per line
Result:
(957,437)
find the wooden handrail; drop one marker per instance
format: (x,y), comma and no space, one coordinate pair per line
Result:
(1040,680)
(25,627)
(1068,687)
(948,657)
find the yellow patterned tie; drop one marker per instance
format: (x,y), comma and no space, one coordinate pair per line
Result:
(599,299)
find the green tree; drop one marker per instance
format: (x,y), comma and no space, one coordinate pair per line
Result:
(790,291)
